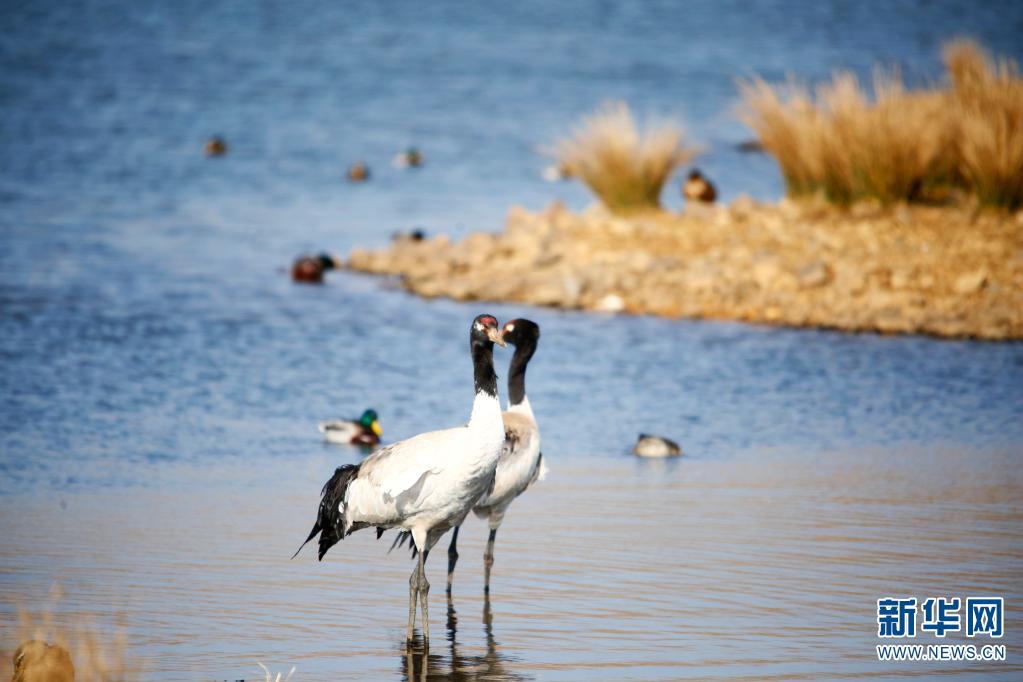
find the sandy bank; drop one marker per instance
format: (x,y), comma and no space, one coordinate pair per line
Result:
(936,270)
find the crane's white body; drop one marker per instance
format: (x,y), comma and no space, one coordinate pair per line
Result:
(518,466)
(428,483)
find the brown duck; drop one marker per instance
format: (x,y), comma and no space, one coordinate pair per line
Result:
(310,269)
(215,146)
(699,188)
(358,172)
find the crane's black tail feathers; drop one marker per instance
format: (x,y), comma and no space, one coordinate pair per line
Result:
(330,519)
(400,540)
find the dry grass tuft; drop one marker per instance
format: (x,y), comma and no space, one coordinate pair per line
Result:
(987,103)
(271,678)
(96,658)
(897,144)
(625,168)
(790,128)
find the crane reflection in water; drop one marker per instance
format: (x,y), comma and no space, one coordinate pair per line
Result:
(419,664)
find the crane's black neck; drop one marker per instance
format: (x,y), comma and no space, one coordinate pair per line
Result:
(517,372)
(483,367)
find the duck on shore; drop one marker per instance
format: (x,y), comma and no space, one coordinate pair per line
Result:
(656,446)
(358,172)
(310,269)
(699,188)
(362,431)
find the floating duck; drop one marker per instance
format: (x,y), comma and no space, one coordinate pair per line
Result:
(698,188)
(311,268)
(39,661)
(358,172)
(557,172)
(416,235)
(655,446)
(750,147)
(363,431)
(215,146)
(410,158)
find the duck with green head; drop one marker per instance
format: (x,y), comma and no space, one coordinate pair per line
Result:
(410,158)
(362,431)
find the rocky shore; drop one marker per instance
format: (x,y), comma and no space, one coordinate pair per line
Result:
(943,271)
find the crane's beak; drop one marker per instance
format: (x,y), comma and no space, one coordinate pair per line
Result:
(497,336)
(376,428)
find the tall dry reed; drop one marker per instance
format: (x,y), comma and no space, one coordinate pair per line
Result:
(987,103)
(894,144)
(624,167)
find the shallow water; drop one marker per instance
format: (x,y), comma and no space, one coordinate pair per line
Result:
(160,378)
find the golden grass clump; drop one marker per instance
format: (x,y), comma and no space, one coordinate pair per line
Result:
(987,102)
(790,128)
(897,144)
(846,144)
(625,168)
(95,658)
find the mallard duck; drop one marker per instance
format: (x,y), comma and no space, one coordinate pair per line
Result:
(35,660)
(410,158)
(363,431)
(655,446)
(699,188)
(311,268)
(358,172)
(215,146)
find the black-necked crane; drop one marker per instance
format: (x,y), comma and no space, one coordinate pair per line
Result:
(426,484)
(520,463)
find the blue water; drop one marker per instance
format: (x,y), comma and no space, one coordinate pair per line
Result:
(162,378)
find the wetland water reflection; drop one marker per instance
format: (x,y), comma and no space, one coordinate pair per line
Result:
(727,564)
(446,660)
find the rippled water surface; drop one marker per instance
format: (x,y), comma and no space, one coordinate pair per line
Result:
(161,379)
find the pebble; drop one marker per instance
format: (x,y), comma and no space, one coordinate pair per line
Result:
(971,282)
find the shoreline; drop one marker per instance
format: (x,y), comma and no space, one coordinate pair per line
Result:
(949,272)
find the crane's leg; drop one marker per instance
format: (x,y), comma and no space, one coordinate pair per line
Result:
(488,560)
(420,537)
(452,557)
(424,592)
(413,591)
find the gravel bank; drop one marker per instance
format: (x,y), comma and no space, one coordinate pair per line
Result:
(950,272)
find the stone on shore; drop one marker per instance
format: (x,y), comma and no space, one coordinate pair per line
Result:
(943,271)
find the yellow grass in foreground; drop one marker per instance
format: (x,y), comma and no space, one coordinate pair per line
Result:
(898,144)
(96,658)
(624,167)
